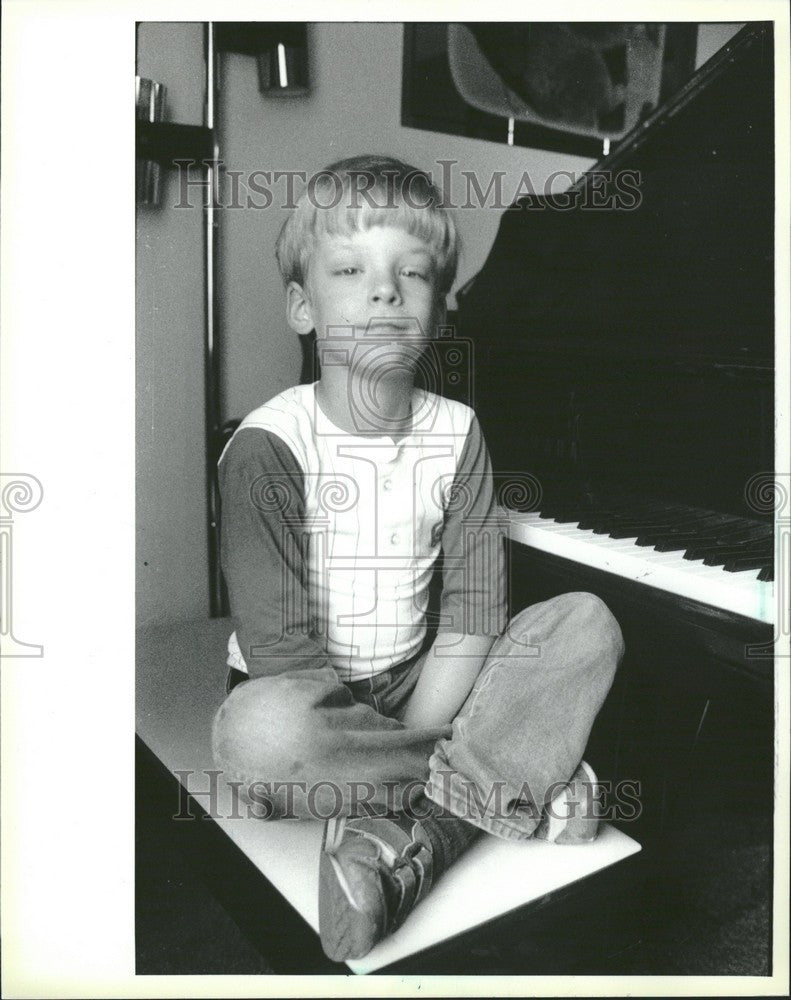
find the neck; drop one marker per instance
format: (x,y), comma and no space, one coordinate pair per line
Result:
(362,406)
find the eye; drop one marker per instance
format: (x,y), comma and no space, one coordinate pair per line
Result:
(412,272)
(350,270)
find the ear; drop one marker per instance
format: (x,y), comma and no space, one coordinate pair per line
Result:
(298,311)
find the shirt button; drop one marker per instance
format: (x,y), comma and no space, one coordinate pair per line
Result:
(394,539)
(387,485)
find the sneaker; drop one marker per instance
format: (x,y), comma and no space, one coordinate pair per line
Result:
(372,873)
(572,817)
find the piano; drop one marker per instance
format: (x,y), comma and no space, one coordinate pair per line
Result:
(623,347)
(622,343)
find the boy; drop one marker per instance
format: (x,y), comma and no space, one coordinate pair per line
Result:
(338,500)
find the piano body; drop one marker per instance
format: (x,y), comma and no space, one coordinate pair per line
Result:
(623,346)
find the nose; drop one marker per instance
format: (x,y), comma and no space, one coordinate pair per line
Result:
(384,288)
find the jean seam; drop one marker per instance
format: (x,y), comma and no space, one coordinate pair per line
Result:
(479,689)
(501,828)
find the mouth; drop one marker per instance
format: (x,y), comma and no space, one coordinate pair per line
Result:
(390,327)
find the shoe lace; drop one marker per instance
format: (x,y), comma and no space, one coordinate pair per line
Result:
(409,873)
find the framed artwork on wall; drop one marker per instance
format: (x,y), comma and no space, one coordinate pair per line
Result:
(571,88)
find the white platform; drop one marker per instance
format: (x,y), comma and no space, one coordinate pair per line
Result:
(180,684)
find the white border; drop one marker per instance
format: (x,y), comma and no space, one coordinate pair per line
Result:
(68,403)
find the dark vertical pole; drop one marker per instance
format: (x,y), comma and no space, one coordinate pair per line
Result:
(212,344)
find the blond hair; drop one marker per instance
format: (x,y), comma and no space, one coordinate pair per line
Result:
(364,191)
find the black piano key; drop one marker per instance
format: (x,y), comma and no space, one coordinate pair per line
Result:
(705,526)
(741,532)
(648,518)
(691,525)
(722,556)
(677,540)
(767,574)
(704,547)
(629,531)
(568,517)
(639,531)
(682,542)
(603,525)
(597,516)
(714,522)
(658,511)
(759,547)
(556,512)
(718,558)
(744,563)
(649,513)
(625,529)
(699,549)
(667,541)
(745,545)
(750,544)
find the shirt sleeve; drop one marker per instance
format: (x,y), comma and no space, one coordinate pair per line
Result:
(473,551)
(264,554)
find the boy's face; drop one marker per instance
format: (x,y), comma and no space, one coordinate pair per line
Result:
(377,286)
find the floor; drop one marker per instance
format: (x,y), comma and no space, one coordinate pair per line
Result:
(709,906)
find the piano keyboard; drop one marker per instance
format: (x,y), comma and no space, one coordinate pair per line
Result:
(672,559)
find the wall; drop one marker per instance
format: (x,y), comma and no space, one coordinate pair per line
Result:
(171,557)
(711,38)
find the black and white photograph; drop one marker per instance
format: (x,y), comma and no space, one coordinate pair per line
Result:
(426,429)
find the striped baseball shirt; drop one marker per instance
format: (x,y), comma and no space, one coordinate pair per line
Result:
(330,541)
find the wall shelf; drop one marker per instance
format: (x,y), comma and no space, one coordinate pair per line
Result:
(166,142)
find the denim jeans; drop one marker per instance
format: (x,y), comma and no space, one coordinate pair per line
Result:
(312,746)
